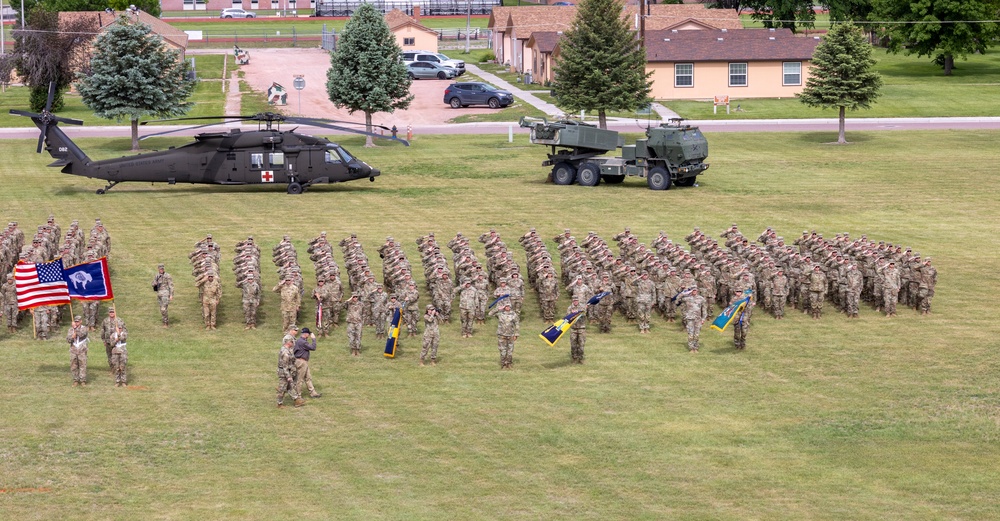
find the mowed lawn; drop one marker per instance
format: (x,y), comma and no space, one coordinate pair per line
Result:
(868,419)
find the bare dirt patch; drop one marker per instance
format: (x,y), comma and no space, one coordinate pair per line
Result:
(281,65)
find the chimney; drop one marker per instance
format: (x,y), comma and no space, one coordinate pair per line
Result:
(416,12)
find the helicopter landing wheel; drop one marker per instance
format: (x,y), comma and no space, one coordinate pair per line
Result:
(294,188)
(100,191)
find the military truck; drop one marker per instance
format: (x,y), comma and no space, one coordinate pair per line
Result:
(672,153)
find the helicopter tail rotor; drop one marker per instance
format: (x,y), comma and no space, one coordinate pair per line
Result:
(46,119)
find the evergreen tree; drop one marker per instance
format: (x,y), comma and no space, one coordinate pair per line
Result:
(366,72)
(940,28)
(842,73)
(601,65)
(133,74)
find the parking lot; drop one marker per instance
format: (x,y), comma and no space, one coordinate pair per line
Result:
(281,65)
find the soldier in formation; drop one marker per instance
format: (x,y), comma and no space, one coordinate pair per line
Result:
(437,275)
(398,276)
(329,290)
(246,268)
(695,315)
(355,323)
(291,285)
(113,332)
(8,303)
(578,331)
(205,261)
(541,274)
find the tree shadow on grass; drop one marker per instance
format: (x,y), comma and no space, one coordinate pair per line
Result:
(830,138)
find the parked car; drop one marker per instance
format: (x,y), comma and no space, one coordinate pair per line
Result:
(564,3)
(423,70)
(434,57)
(236,12)
(476,93)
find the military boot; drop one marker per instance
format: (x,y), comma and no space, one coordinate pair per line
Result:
(299,402)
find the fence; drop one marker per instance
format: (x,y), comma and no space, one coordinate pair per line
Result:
(427,7)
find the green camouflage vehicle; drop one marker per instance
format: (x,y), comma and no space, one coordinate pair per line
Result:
(672,153)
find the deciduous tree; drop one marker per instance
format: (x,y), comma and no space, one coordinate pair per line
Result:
(842,75)
(788,14)
(601,65)
(133,74)
(366,72)
(940,28)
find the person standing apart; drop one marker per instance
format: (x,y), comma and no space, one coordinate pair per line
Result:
(578,331)
(432,335)
(305,343)
(508,329)
(119,353)
(109,326)
(77,338)
(163,285)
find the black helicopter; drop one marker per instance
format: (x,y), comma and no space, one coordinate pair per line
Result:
(267,155)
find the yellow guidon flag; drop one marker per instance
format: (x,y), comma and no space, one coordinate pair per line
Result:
(732,312)
(390,343)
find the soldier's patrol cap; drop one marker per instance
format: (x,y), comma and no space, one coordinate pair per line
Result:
(430,306)
(355,295)
(389,239)
(77,318)
(209,236)
(354,235)
(493,230)
(111,311)
(926,259)
(566,230)
(249,237)
(158,266)
(322,234)
(393,296)
(294,328)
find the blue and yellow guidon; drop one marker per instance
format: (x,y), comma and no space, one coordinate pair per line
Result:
(553,333)
(732,312)
(390,343)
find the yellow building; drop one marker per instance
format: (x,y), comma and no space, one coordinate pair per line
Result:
(411,35)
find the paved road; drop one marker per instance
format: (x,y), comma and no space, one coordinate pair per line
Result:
(802,125)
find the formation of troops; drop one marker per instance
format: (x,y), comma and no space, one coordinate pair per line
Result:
(635,281)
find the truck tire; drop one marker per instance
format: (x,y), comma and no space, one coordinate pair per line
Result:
(687,181)
(563,174)
(658,178)
(613,179)
(589,174)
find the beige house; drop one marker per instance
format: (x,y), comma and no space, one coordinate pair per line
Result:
(513,27)
(543,47)
(748,63)
(410,34)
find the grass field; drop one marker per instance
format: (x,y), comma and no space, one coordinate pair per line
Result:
(869,419)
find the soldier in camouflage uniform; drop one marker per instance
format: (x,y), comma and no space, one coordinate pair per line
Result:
(779,293)
(210,297)
(432,336)
(741,326)
(578,331)
(695,314)
(290,301)
(355,323)
(323,295)
(548,293)
(287,375)
(42,315)
(163,285)
(380,307)
(925,287)
(467,306)
(77,338)
(508,329)
(644,295)
(8,294)
(890,289)
(855,282)
(251,295)
(112,326)
(817,291)
(118,338)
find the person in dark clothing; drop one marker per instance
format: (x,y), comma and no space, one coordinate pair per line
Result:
(303,345)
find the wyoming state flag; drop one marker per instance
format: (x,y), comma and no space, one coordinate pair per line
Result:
(390,343)
(732,312)
(553,333)
(89,281)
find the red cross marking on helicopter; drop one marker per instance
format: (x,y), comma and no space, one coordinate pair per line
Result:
(267,176)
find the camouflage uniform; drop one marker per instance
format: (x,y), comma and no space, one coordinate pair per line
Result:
(927,282)
(855,281)
(578,331)
(251,301)
(817,291)
(695,314)
(779,294)
(355,323)
(508,329)
(210,297)
(163,285)
(605,308)
(548,293)
(118,338)
(324,296)
(432,336)
(43,315)
(77,338)
(8,294)
(890,289)
(645,292)
(108,328)
(741,326)
(467,306)
(287,375)
(380,307)
(290,300)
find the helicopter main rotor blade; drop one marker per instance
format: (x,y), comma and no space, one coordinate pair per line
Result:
(194,119)
(48,102)
(317,123)
(178,130)
(41,139)
(313,121)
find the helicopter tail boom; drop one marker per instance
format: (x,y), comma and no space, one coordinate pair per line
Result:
(61,147)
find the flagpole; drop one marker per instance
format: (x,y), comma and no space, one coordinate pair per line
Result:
(34,328)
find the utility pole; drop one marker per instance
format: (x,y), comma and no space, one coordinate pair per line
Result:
(468,26)
(642,24)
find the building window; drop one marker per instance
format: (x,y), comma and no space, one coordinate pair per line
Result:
(791,73)
(684,75)
(409,42)
(737,75)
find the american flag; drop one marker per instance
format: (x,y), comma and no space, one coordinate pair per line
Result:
(40,285)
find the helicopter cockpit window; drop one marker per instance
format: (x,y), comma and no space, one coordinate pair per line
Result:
(331,155)
(276,159)
(256,160)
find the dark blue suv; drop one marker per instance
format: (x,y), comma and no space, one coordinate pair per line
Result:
(476,93)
